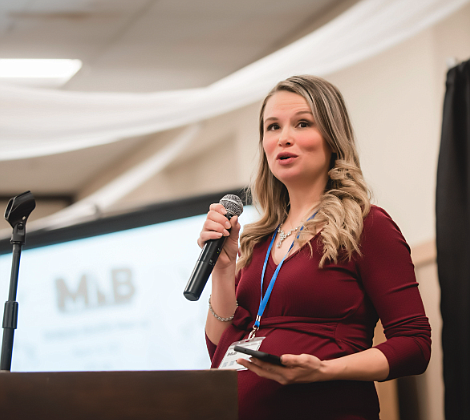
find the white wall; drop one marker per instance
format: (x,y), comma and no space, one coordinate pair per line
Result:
(395,99)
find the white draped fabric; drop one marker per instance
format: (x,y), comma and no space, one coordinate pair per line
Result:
(35,122)
(101,200)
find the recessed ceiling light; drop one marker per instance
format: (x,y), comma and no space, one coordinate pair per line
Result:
(38,72)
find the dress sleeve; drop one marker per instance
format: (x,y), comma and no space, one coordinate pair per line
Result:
(211,347)
(388,276)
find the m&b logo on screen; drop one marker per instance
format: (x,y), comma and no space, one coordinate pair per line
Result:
(88,294)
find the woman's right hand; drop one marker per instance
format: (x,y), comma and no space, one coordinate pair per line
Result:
(217,225)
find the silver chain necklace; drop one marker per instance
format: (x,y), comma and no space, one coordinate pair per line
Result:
(283,235)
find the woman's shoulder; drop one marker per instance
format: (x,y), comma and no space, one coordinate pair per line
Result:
(378,223)
(380,227)
(377,216)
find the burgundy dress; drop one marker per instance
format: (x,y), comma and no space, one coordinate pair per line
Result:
(330,313)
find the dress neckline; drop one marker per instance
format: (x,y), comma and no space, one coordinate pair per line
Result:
(271,258)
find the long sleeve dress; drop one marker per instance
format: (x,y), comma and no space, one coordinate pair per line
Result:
(330,312)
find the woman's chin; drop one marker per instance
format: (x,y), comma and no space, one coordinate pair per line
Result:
(297,180)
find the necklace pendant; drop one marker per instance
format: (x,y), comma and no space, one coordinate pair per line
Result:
(283,235)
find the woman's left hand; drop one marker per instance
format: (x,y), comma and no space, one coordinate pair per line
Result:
(297,369)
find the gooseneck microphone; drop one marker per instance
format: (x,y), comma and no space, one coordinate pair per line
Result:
(211,251)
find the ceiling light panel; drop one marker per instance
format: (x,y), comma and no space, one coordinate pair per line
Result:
(38,72)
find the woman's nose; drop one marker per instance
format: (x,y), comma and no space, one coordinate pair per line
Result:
(285,138)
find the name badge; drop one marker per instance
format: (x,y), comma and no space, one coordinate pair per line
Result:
(230,359)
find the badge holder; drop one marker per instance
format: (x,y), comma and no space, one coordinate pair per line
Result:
(230,359)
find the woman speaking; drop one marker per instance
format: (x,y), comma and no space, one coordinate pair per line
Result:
(314,273)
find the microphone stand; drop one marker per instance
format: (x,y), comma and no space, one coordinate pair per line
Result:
(17,212)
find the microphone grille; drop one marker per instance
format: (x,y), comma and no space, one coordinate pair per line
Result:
(232,204)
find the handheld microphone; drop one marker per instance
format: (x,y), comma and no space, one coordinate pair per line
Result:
(211,251)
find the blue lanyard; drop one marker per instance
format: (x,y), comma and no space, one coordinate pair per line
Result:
(267,295)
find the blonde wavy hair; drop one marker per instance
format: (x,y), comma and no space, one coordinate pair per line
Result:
(346,199)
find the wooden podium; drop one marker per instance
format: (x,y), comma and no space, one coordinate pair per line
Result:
(127,395)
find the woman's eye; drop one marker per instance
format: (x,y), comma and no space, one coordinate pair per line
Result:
(272,127)
(304,124)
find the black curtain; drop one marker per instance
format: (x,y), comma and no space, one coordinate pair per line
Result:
(453,241)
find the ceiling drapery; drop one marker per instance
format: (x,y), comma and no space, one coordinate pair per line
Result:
(101,200)
(36,122)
